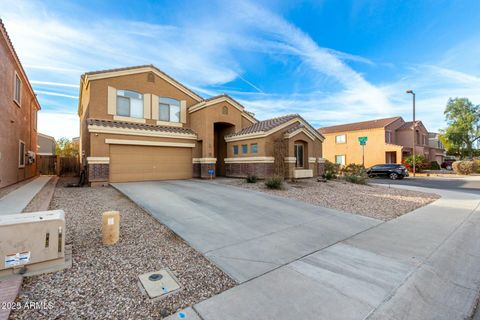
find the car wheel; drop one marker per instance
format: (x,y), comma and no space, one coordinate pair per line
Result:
(371,176)
(393,176)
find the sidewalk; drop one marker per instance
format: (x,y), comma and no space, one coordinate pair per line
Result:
(423,265)
(17,200)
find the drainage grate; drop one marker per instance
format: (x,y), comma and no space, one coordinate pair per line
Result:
(159,283)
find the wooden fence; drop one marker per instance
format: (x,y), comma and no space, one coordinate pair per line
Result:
(61,166)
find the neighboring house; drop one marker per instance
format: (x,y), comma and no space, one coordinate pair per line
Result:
(435,143)
(18,120)
(138,123)
(46,145)
(389,140)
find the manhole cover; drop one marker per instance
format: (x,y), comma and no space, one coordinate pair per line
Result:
(158,283)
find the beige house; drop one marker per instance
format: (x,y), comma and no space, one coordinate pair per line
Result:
(389,140)
(18,120)
(46,145)
(138,124)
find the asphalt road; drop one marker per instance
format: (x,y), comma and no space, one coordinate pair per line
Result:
(463,184)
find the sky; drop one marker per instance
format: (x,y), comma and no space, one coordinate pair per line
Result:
(330,61)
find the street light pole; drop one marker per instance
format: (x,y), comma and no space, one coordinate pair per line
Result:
(414,132)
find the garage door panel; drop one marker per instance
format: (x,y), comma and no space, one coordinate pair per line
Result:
(140,163)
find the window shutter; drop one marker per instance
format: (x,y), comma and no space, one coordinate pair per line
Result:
(183,111)
(146,105)
(154,107)
(112,101)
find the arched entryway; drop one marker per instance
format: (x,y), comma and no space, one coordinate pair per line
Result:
(220,130)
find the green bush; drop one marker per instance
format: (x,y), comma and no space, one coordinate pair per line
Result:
(252,178)
(464,167)
(331,170)
(355,173)
(434,165)
(478,165)
(274,182)
(420,163)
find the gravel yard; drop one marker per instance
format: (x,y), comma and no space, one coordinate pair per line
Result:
(103,281)
(372,201)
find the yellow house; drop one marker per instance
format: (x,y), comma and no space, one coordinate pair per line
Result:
(388,140)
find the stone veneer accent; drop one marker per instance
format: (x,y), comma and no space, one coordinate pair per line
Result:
(242,170)
(98,172)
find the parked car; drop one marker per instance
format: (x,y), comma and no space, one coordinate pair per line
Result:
(447,164)
(390,170)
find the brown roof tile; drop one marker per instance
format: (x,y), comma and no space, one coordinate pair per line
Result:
(371,124)
(265,125)
(138,126)
(408,125)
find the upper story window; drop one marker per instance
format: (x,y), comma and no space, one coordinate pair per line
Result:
(17,92)
(235,150)
(244,148)
(341,138)
(418,137)
(254,148)
(388,136)
(129,104)
(168,109)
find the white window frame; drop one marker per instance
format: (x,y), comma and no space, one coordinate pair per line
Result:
(170,106)
(344,139)
(344,159)
(21,160)
(19,101)
(129,104)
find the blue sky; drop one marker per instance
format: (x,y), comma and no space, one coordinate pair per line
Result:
(331,61)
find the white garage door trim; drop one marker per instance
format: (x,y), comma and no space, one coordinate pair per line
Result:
(149,143)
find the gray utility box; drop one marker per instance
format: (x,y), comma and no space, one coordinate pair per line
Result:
(32,243)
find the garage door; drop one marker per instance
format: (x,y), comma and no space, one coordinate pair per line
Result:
(140,163)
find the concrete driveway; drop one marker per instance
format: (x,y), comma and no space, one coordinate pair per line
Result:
(245,233)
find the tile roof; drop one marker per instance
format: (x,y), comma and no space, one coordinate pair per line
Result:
(295,128)
(371,124)
(408,125)
(138,126)
(265,125)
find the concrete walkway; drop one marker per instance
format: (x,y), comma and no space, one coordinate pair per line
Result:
(245,233)
(423,265)
(17,200)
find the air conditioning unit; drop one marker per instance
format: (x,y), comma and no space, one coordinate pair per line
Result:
(33,243)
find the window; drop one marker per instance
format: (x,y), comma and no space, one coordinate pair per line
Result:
(254,148)
(129,104)
(388,136)
(235,150)
(169,109)
(17,94)
(35,117)
(244,148)
(298,149)
(341,139)
(21,154)
(340,159)
(417,141)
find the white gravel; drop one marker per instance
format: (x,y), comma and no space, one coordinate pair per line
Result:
(372,201)
(103,281)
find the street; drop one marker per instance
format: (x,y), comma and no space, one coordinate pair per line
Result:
(469,184)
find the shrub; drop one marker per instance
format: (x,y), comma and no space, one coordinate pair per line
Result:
(464,167)
(420,163)
(478,165)
(331,170)
(355,173)
(274,182)
(434,165)
(252,178)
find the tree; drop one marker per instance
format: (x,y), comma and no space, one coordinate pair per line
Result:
(463,120)
(66,148)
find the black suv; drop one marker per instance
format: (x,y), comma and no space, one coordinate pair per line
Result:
(391,170)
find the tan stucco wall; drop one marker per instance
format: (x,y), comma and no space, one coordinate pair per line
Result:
(203,120)
(17,122)
(374,150)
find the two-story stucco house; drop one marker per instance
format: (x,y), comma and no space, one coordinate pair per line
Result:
(389,140)
(138,124)
(18,119)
